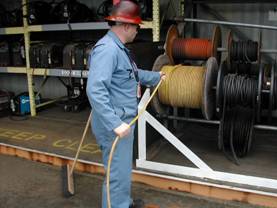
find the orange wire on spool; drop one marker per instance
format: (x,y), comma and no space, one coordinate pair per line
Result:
(192,48)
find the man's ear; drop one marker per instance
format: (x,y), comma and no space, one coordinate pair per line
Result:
(126,27)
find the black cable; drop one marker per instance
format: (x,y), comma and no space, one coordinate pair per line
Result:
(236,125)
(274,100)
(244,51)
(239,90)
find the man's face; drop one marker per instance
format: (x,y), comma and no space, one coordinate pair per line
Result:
(131,32)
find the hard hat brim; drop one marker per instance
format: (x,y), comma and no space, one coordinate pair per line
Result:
(133,20)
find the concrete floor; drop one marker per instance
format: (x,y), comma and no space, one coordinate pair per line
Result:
(57,132)
(28,184)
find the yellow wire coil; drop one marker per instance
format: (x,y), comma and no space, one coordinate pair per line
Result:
(183,86)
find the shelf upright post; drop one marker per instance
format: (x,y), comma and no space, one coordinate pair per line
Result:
(156,21)
(28,69)
(182,8)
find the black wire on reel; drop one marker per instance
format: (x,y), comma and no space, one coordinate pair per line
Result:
(236,125)
(275,88)
(239,90)
(245,51)
(235,132)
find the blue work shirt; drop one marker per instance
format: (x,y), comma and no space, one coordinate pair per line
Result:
(111,85)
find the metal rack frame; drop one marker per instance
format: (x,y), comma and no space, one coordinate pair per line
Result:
(202,171)
(27,29)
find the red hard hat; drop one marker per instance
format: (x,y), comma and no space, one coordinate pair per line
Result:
(125,11)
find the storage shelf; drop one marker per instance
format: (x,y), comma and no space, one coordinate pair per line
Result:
(74,26)
(11,30)
(60,72)
(57,72)
(65,27)
(13,70)
(26,30)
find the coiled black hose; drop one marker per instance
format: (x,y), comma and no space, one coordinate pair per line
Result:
(245,51)
(236,125)
(239,90)
(275,89)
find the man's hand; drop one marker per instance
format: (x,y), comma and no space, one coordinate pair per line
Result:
(162,75)
(122,130)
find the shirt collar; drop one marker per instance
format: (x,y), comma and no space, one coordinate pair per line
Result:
(117,40)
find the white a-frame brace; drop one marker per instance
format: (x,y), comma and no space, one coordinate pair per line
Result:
(203,171)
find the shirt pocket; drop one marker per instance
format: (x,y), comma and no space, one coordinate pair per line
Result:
(125,71)
(120,111)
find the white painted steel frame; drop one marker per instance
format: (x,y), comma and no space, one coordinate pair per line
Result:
(203,171)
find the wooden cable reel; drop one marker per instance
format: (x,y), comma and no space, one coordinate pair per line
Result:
(192,48)
(222,71)
(186,86)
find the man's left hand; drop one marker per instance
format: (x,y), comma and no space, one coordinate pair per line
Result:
(162,75)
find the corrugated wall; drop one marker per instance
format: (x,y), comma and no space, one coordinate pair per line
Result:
(244,13)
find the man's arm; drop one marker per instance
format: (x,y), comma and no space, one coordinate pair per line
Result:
(103,62)
(149,77)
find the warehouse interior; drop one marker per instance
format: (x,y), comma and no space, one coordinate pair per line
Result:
(206,139)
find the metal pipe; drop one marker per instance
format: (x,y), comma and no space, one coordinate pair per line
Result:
(268,27)
(195,120)
(27,56)
(50,102)
(262,50)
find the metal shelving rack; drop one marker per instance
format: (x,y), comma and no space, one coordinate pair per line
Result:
(26,30)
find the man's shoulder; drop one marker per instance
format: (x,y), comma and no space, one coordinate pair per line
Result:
(106,42)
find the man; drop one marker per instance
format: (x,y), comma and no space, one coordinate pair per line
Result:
(112,88)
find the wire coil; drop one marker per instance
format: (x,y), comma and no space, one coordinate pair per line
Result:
(239,105)
(244,51)
(179,49)
(192,49)
(239,90)
(183,86)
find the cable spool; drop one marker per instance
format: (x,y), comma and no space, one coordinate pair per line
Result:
(186,86)
(235,132)
(222,72)
(259,94)
(242,51)
(267,90)
(191,48)
(239,93)
(272,105)
(245,68)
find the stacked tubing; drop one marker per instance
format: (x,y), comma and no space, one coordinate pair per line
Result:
(192,49)
(239,107)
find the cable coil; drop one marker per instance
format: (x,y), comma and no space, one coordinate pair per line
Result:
(192,49)
(275,89)
(244,51)
(236,125)
(183,86)
(179,49)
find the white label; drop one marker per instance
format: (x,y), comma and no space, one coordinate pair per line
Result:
(272,15)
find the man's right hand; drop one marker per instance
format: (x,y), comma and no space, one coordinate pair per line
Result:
(122,130)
